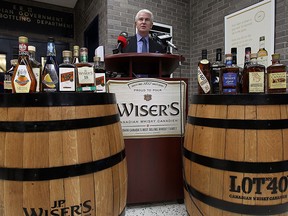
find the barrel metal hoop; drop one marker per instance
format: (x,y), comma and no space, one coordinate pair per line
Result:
(57,125)
(51,173)
(236,166)
(239,123)
(235,207)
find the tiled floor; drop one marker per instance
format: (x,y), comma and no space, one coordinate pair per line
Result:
(163,209)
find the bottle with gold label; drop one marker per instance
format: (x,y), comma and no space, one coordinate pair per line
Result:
(67,72)
(50,72)
(36,66)
(85,73)
(23,79)
(276,76)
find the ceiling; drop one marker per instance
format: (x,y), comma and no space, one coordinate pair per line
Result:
(63,3)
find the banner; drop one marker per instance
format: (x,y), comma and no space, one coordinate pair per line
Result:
(150,107)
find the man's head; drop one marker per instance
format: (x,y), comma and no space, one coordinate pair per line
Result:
(144,22)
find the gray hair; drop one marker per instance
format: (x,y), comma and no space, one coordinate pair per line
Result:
(144,11)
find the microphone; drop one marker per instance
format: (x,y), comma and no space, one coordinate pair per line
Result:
(165,38)
(122,42)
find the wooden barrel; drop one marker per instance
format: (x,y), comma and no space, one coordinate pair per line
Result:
(235,155)
(61,154)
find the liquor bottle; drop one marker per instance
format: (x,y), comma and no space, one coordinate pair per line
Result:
(204,74)
(262,53)
(36,66)
(23,79)
(254,77)
(85,73)
(230,75)
(75,55)
(276,76)
(67,73)
(100,74)
(247,61)
(8,76)
(215,72)
(50,72)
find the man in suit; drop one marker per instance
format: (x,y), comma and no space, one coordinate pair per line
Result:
(136,43)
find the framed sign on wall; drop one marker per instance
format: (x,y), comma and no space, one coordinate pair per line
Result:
(246,27)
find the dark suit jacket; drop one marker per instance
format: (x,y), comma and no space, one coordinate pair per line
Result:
(154,47)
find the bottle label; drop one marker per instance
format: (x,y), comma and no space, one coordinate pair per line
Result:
(230,80)
(203,82)
(100,82)
(85,75)
(36,72)
(50,80)
(22,80)
(256,82)
(67,79)
(86,88)
(277,80)
(263,60)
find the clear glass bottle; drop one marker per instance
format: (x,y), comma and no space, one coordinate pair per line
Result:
(276,76)
(254,77)
(215,72)
(50,72)
(204,74)
(85,73)
(23,79)
(36,66)
(75,54)
(8,76)
(100,74)
(230,75)
(262,53)
(67,73)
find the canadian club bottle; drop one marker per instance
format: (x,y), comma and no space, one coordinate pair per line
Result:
(67,72)
(204,74)
(50,72)
(23,79)
(276,76)
(85,76)
(215,72)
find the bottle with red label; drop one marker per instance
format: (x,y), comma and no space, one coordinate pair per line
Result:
(23,79)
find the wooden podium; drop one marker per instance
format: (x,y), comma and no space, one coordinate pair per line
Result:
(151,64)
(154,164)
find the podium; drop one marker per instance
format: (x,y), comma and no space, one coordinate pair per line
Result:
(143,64)
(154,164)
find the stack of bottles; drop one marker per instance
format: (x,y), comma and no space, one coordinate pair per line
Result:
(256,76)
(74,74)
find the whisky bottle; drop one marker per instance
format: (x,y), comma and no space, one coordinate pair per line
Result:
(230,75)
(262,53)
(100,74)
(276,76)
(50,72)
(75,55)
(36,66)
(8,76)
(247,61)
(67,72)
(204,74)
(23,79)
(254,77)
(215,72)
(85,73)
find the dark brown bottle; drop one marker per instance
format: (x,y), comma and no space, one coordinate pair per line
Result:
(276,76)
(215,72)
(204,74)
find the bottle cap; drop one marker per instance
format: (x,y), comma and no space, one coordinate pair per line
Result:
(276,56)
(75,47)
(83,51)
(32,48)
(254,55)
(233,50)
(219,50)
(23,39)
(96,58)
(50,39)
(66,53)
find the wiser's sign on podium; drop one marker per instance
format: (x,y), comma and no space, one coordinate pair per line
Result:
(150,107)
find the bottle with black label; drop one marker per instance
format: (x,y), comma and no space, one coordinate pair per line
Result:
(215,72)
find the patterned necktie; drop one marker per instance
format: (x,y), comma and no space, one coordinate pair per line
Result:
(144,46)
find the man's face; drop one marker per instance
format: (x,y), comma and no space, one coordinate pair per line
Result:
(144,24)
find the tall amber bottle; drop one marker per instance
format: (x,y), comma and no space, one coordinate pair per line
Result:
(23,79)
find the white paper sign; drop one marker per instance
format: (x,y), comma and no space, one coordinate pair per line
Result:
(150,107)
(245,27)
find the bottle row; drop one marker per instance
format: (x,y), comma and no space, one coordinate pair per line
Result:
(75,73)
(253,78)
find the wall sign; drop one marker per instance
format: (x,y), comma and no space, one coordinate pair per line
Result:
(245,27)
(150,107)
(37,20)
